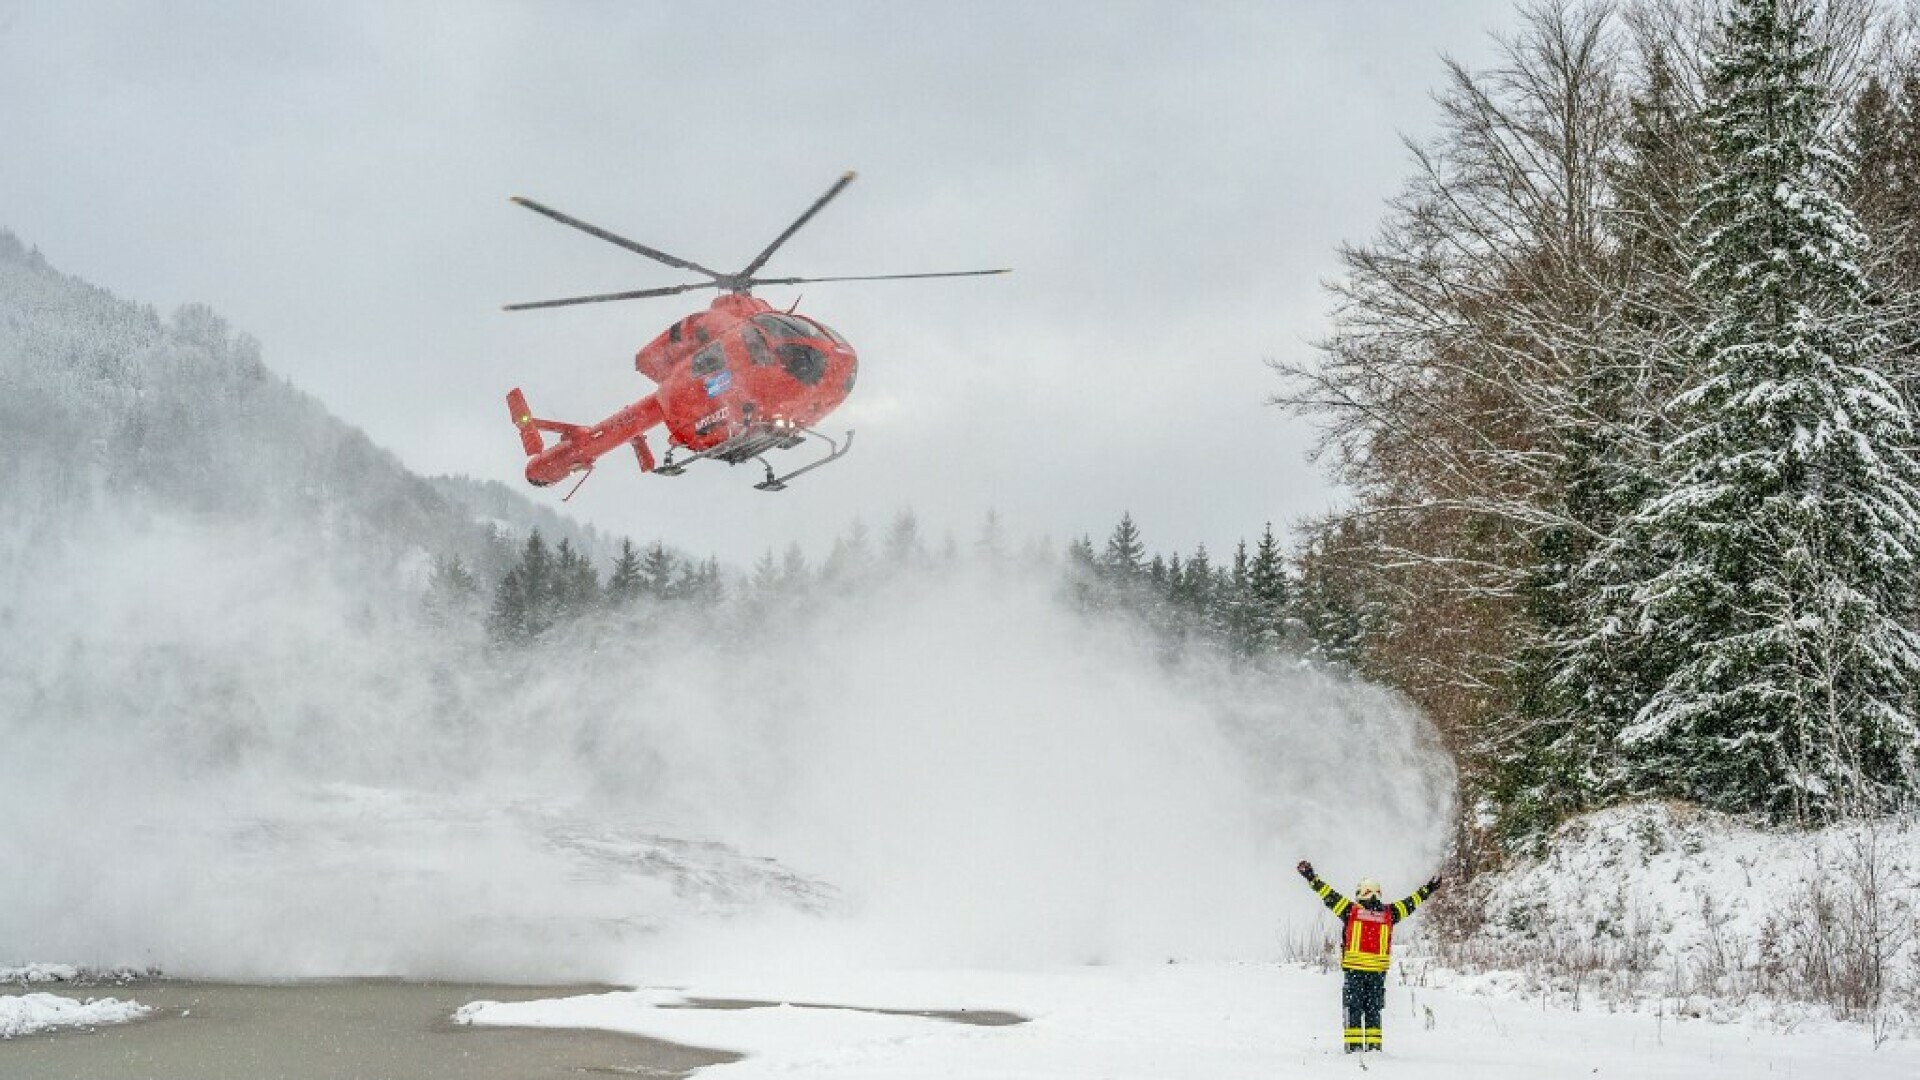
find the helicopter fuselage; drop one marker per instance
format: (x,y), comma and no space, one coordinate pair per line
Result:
(739,373)
(742,364)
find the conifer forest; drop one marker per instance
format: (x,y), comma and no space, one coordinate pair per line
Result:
(1623,389)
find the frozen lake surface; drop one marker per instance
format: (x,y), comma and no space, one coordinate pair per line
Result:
(369,1030)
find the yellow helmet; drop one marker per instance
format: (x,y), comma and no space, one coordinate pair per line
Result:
(1367,888)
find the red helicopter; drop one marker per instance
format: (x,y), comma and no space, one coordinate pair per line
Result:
(735,381)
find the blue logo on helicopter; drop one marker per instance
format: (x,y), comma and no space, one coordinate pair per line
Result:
(718,383)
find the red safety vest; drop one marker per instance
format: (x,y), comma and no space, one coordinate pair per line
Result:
(1369,939)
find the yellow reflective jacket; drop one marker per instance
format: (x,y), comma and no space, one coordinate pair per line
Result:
(1366,941)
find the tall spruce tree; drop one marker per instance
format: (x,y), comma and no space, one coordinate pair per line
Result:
(625,584)
(576,585)
(523,604)
(453,593)
(1083,575)
(1197,592)
(1329,591)
(701,585)
(1125,559)
(1266,597)
(657,572)
(903,548)
(1781,546)
(1235,614)
(850,563)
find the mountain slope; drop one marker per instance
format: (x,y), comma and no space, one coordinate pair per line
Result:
(103,403)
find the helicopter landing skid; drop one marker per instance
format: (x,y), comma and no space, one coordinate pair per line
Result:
(835,452)
(752,444)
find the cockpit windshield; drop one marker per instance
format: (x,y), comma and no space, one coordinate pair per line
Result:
(792,340)
(786,327)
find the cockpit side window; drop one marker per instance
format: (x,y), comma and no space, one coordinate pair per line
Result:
(804,362)
(710,360)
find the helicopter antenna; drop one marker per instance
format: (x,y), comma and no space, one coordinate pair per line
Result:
(742,282)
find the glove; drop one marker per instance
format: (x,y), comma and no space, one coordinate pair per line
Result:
(1434,885)
(1306,869)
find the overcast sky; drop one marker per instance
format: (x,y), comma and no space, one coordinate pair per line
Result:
(1170,182)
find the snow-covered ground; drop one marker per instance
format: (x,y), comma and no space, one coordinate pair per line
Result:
(28,1013)
(1652,941)
(1178,1021)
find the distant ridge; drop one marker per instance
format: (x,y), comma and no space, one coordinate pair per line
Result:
(103,400)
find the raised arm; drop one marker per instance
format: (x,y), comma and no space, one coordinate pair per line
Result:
(1335,902)
(1406,907)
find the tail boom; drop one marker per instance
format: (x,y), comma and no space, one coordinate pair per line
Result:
(579,447)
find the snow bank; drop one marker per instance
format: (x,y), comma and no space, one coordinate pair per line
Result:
(28,1013)
(31,974)
(1670,908)
(39,973)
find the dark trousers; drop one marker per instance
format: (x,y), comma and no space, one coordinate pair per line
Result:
(1363,995)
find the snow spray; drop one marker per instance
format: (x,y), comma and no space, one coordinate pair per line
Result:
(221,763)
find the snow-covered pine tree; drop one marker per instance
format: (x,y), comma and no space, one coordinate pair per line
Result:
(850,562)
(523,603)
(625,583)
(453,594)
(1266,597)
(1197,592)
(576,585)
(904,549)
(1329,596)
(1125,560)
(1083,583)
(1785,531)
(796,576)
(657,571)
(991,545)
(701,584)
(1235,613)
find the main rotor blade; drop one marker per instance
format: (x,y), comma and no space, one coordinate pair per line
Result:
(639,294)
(838,186)
(877,277)
(616,239)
